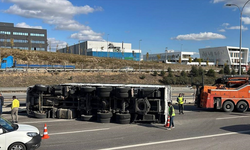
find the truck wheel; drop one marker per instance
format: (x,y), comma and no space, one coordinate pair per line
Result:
(228,106)
(101,120)
(123,121)
(104,94)
(123,89)
(122,116)
(242,106)
(19,146)
(104,89)
(41,88)
(88,89)
(104,115)
(86,117)
(39,115)
(123,95)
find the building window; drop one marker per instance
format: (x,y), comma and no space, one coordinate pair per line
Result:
(25,48)
(38,49)
(38,42)
(36,34)
(20,41)
(5,32)
(20,33)
(4,40)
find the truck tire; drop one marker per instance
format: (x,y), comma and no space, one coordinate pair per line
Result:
(39,115)
(104,94)
(104,115)
(123,95)
(242,106)
(104,89)
(41,88)
(122,116)
(122,89)
(88,89)
(18,145)
(101,120)
(123,121)
(228,106)
(86,117)
(142,106)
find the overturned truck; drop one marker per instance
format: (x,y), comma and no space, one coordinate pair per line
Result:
(99,102)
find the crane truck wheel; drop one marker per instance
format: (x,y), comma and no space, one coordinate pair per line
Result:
(242,106)
(228,106)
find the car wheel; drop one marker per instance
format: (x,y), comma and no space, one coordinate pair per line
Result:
(17,146)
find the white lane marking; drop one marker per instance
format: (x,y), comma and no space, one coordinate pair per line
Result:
(176,140)
(232,117)
(60,120)
(92,130)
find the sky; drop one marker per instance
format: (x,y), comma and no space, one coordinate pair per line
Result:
(180,25)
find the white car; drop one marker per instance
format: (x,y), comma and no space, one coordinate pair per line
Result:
(18,136)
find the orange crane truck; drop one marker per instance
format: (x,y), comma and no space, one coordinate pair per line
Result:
(228,93)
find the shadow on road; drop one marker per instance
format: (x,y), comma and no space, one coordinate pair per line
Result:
(243,129)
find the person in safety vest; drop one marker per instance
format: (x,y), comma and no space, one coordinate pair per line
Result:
(180,101)
(14,109)
(171,114)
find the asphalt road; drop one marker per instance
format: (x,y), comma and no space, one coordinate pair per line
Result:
(196,129)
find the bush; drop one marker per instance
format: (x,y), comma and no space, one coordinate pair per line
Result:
(211,73)
(233,72)
(142,76)
(170,74)
(183,74)
(200,70)
(221,71)
(194,71)
(163,73)
(155,73)
(168,80)
(169,69)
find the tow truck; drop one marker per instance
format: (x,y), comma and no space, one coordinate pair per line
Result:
(228,93)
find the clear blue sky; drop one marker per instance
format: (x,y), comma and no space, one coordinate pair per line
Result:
(185,25)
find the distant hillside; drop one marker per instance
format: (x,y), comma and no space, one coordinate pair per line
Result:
(80,61)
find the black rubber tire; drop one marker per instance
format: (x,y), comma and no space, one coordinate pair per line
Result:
(104,115)
(242,106)
(104,89)
(122,89)
(88,89)
(86,117)
(104,94)
(19,146)
(101,120)
(58,87)
(42,88)
(122,116)
(123,95)
(123,121)
(228,106)
(39,115)
(142,106)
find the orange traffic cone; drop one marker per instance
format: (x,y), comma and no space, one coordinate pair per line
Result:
(168,122)
(45,132)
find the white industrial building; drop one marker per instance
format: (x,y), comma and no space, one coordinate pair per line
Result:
(226,55)
(170,56)
(104,49)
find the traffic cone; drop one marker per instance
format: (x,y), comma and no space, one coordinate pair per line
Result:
(45,132)
(167,123)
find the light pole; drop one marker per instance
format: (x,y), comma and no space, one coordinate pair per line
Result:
(241,10)
(107,45)
(139,53)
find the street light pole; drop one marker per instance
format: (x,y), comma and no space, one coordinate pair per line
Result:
(241,10)
(140,54)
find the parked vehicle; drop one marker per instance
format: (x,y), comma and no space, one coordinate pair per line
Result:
(18,136)
(9,62)
(228,93)
(101,102)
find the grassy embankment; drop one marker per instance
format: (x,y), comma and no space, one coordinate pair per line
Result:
(17,79)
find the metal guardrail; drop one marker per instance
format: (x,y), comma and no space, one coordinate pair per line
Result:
(90,70)
(13,89)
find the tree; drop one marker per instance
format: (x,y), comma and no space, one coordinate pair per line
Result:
(194,71)
(217,62)
(180,60)
(221,71)
(199,60)
(67,48)
(158,57)
(147,55)
(169,69)
(189,59)
(233,72)
(211,73)
(183,73)
(226,69)
(207,62)
(200,70)
(12,43)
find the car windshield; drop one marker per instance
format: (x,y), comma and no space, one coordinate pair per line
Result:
(6,124)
